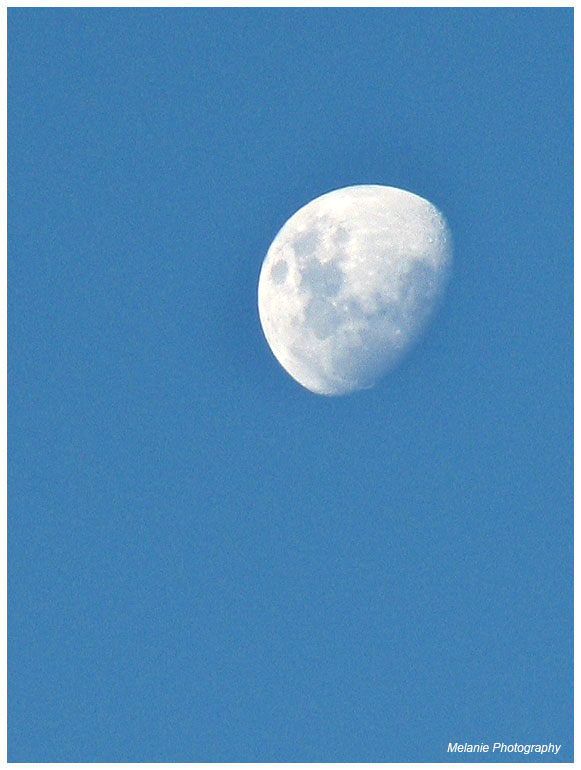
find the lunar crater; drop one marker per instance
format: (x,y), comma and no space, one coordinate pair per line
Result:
(323,279)
(279,271)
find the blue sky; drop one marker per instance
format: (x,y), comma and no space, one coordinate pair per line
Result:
(206,561)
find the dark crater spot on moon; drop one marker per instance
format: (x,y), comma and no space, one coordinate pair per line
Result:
(322,280)
(305,245)
(341,236)
(279,271)
(321,317)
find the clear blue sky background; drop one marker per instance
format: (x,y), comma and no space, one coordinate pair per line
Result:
(207,562)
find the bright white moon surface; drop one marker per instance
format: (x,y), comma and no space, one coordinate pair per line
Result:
(349,284)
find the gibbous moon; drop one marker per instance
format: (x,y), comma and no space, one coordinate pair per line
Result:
(349,284)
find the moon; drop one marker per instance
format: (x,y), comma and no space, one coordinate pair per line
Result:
(349,284)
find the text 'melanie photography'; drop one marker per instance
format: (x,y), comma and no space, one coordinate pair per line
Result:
(504,748)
